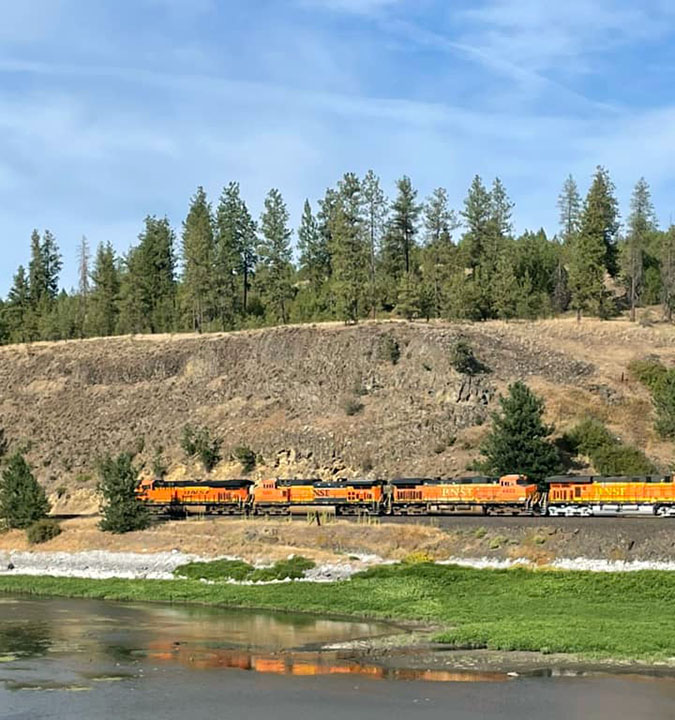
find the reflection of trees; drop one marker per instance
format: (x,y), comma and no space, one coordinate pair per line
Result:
(24,639)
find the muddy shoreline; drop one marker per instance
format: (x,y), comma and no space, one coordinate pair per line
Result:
(412,650)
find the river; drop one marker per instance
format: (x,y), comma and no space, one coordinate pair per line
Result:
(63,659)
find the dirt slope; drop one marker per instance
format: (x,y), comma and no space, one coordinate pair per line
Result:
(282,392)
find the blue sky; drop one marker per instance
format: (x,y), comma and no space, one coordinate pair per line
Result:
(110,110)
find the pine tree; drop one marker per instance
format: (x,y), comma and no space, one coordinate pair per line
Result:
(349,249)
(405,214)
(84,258)
(133,304)
(600,217)
(477,213)
(248,240)
(641,226)
(105,293)
(517,442)
(37,272)
(439,255)
(593,251)
(410,297)
(462,298)
(375,213)
(439,219)
(43,271)
(228,242)
(22,499)
(499,229)
(505,288)
(52,263)
(667,258)
(501,209)
(18,309)
(198,262)
(560,296)
(275,254)
(314,255)
(121,510)
(157,274)
(4,327)
(569,205)
(586,273)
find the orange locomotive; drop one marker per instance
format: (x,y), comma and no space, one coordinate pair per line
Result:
(346,497)
(595,495)
(219,497)
(510,494)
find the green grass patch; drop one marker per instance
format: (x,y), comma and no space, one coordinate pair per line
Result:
(215,570)
(619,615)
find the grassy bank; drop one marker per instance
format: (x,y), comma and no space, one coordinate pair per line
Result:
(621,615)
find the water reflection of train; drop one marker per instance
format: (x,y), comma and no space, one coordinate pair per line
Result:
(307,664)
(507,495)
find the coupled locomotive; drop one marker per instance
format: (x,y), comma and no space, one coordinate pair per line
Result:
(567,495)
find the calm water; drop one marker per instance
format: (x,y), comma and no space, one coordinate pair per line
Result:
(88,659)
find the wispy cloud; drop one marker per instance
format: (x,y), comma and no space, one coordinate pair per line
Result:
(357,7)
(106,116)
(556,35)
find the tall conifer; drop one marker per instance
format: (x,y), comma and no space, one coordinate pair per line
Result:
(641,227)
(274,253)
(198,262)
(569,207)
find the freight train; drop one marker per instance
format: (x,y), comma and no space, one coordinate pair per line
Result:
(566,495)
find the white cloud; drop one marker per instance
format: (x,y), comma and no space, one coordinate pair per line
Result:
(357,7)
(556,35)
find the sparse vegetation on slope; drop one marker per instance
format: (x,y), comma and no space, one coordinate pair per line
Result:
(278,391)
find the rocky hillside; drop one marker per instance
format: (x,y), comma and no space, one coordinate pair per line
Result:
(293,394)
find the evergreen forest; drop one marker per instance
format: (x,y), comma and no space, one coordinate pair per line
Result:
(356,254)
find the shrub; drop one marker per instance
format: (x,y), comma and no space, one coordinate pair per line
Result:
(197,442)
(4,444)
(622,460)
(246,457)
(664,401)
(648,371)
(121,509)
(61,491)
(588,436)
(187,441)
(607,453)
(497,541)
(661,382)
(215,570)
(367,463)
(22,499)
(352,406)
(417,558)
(42,531)
(388,349)
(293,568)
(139,445)
(159,469)
(464,361)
